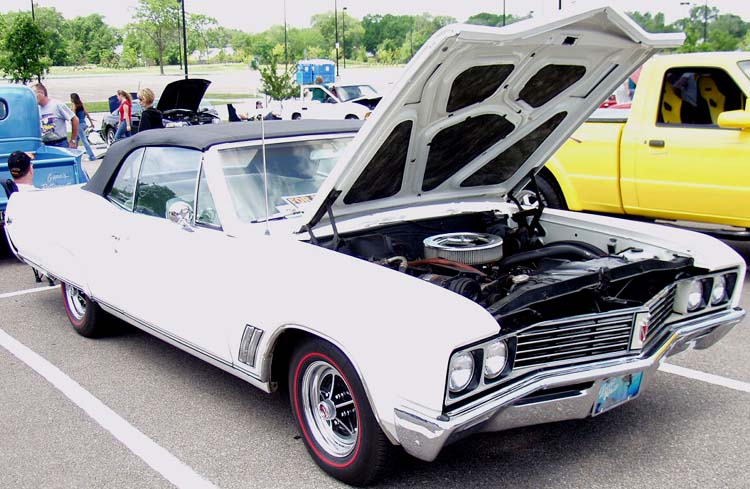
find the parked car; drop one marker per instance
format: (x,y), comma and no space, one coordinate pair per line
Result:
(678,154)
(20,131)
(181,103)
(401,297)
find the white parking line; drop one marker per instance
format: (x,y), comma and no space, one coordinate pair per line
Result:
(28,291)
(710,378)
(141,445)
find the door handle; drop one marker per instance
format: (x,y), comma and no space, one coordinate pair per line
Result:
(656,143)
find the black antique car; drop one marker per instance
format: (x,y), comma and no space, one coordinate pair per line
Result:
(181,104)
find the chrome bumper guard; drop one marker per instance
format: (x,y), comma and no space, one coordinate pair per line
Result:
(522,404)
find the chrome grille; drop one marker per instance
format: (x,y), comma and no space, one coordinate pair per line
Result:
(574,340)
(660,307)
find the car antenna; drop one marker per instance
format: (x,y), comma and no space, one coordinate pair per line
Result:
(265,173)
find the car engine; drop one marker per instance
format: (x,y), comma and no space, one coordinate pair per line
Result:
(503,263)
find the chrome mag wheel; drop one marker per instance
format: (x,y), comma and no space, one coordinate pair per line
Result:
(76,302)
(329,409)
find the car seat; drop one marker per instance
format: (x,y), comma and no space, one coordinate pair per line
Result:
(671,105)
(716,100)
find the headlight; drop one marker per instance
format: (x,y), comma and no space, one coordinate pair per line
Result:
(719,290)
(176,124)
(460,371)
(695,295)
(496,355)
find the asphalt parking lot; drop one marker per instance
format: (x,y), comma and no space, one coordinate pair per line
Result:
(105,406)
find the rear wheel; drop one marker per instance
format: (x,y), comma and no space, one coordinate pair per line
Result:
(332,412)
(85,315)
(296,116)
(351,116)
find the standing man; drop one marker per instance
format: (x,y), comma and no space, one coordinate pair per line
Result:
(53,115)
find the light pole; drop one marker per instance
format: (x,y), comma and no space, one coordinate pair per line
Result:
(184,37)
(343,34)
(705,22)
(705,19)
(503,13)
(286,43)
(336,27)
(33,17)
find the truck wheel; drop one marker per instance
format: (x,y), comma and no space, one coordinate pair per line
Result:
(548,191)
(331,410)
(85,315)
(296,116)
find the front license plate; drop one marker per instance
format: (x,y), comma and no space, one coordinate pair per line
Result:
(617,390)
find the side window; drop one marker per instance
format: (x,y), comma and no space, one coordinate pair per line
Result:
(122,192)
(167,175)
(696,96)
(318,94)
(205,211)
(3,109)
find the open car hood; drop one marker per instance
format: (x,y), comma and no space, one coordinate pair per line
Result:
(183,94)
(479,109)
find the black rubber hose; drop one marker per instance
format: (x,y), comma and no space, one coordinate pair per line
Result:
(567,250)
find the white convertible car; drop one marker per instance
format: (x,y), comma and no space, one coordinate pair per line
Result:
(386,277)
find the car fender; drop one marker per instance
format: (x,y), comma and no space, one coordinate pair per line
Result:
(379,317)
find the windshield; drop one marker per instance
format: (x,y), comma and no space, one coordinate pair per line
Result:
(350,92)
(745,67)
(295,169)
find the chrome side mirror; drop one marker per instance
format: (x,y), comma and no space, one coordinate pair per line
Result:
(181,214)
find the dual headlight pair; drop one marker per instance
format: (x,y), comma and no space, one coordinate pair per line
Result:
(710,291)
(468,367)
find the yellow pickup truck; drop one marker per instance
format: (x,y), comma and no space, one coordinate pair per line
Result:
(680,153)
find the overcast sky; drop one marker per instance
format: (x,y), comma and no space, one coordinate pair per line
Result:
(256,16)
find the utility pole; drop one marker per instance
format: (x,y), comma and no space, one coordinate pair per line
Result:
(559,4)
(503,13)
(33,17)
(184,37)
(336,22)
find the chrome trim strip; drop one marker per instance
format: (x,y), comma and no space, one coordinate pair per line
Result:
(186,346)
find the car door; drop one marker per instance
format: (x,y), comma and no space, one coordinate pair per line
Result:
(685,166)
(171,290)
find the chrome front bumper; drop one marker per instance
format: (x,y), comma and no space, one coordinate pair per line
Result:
(524,402)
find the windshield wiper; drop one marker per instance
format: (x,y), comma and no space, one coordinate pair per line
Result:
(278,216)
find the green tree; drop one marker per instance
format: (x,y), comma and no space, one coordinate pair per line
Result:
(278,86)
(651,22)
(158,19)
(199,26)
(22,55)
(92,40)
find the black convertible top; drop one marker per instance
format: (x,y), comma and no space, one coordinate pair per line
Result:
(204,136)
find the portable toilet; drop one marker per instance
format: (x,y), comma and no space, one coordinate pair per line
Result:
(308,70)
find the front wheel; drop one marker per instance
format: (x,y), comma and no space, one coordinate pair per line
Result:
(351,117)
(110,136)
(85,315)
(547,191)
(332,412)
